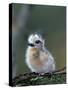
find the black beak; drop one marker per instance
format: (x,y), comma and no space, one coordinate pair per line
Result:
(30,44)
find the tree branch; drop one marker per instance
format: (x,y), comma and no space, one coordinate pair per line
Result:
(54,77)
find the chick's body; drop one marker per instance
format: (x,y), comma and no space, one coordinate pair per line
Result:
(39,60)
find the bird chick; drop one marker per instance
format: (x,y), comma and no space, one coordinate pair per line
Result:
(38,58)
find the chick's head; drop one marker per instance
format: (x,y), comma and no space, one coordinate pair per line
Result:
(35,40)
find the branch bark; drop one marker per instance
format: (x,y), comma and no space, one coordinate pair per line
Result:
(57,77)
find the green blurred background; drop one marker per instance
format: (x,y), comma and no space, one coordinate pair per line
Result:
(50,20)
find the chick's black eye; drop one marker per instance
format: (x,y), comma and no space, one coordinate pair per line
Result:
(37,42)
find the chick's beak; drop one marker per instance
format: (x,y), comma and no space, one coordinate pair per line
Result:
(31,44)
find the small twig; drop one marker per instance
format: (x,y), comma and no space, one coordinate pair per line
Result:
(60,70)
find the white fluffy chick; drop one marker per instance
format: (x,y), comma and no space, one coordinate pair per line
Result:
(38,58)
